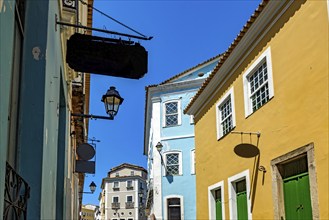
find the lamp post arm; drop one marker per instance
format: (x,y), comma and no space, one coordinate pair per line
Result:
(162,162)
(91,116)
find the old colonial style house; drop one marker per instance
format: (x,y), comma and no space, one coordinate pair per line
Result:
(124,193)
(38,137)
(169,144)
(261,119)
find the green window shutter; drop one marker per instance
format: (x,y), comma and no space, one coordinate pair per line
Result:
(241,200)
(218,199)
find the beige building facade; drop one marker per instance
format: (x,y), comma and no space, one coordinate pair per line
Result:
(123,193)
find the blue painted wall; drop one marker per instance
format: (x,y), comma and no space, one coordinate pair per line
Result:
(7,15)
(181,138)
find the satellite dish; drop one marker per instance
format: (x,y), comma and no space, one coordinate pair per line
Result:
(85,151)
(246,150)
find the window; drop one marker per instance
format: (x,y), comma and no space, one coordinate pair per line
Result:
(115,199)
(191,116)
(174,207)
(225,114)
(258,83)
(173,163)
(172,115)
(130,184)
(129,198)
(239,201)
(117,174)
(132,173)
(115,185)
(216,201)
(193,161)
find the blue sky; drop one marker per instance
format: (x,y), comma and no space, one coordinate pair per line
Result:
(185,33)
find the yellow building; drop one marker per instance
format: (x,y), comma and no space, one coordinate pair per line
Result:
(270,92)
(87,212)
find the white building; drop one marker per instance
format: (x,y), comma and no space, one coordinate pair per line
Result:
(124,193)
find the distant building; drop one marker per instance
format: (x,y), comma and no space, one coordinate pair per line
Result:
(123,193)
(88,212)
(171,180)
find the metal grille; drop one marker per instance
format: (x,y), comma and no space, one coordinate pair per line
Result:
(226,116)
(171,113)
(17,192)
(259,87)
(172,164)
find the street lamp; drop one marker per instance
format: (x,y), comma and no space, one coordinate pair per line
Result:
(112,101)
(92,188)
(159,147)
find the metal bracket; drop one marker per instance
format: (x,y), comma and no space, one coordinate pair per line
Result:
(100,30)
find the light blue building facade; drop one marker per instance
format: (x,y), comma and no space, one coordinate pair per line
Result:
(171,181)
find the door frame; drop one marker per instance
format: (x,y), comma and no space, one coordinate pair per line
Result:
(277,181)
(232,193)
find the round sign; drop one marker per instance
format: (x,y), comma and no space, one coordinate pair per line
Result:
(246,150)
(85,151)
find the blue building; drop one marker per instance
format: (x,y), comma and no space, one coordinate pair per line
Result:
(169,144)
(38,91)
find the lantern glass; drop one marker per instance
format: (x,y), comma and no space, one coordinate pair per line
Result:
(112,101)
(92,187)
(159,146)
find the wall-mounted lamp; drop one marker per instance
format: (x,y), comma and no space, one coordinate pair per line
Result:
(159,147)
(92,187)
(112,101)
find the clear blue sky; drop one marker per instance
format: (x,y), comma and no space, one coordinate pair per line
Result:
(185,33)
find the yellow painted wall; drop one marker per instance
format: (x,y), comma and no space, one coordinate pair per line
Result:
(297,114)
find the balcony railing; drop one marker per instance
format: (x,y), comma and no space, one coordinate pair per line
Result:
(115,188)
(129,205)
(17,192)
(115,205)
(130,187)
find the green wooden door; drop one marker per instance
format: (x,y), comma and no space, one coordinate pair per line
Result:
(241,200)
(218,199)
(297,199)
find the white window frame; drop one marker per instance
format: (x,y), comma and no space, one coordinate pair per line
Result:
(193,161)
(115,197)
(132,183)
(232,193)
(266,55)
(228,95)
(179,112)
(114,184)
(180,162)
(165,202)
(211,199)
(132,198)
(191,116)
